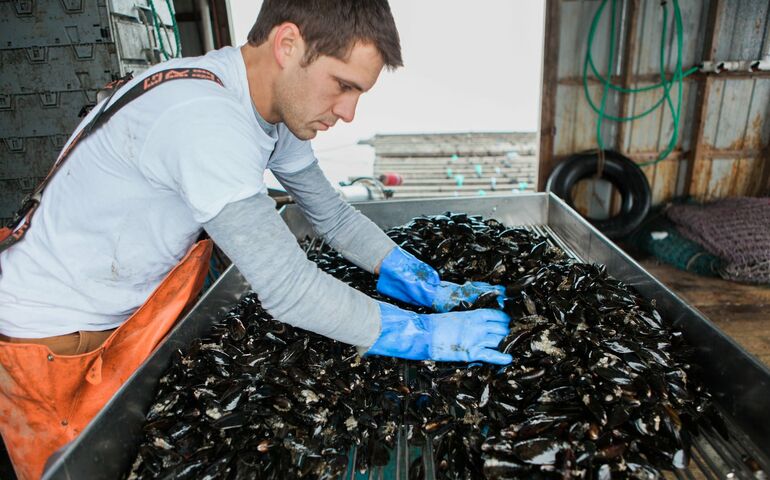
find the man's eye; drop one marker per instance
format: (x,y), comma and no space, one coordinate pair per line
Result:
(344,87)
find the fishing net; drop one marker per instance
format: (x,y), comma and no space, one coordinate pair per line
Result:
(735,229)
(659,237)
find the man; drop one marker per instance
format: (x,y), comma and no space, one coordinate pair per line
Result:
(110,260)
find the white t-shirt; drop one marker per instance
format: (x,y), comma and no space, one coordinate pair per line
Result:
(131,198)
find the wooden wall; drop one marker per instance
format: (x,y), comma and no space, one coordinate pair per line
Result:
(722,148)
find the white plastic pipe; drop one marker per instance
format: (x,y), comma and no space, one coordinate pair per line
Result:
(206,31)
(761,65)
(356,193)
(736,66)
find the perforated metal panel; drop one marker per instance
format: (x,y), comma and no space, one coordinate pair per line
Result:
(54,56)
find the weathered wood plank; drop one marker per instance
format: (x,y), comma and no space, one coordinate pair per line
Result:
(720,178)
(664,183)
(732,118)
(693,176)
(549,75)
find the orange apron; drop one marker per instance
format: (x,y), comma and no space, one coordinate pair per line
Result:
(46,400)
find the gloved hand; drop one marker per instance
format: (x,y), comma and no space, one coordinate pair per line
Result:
(405,278)
(450,337)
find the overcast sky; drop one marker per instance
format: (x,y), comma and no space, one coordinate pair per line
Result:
(468,66)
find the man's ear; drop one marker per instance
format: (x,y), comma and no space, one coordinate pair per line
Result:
(288,45)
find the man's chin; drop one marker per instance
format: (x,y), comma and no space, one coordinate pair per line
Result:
(303,133)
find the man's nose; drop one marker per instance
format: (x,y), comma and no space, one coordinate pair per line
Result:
(345,108)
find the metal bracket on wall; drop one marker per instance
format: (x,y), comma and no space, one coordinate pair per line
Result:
(49,99)
(37,54)
(142,13)
(72,6)
(6,102)
(14,144)
(83,52)
(23,8)
(58,141)
(27,184)
(145,17)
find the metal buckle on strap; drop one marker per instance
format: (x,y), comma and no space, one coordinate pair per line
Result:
(29,203)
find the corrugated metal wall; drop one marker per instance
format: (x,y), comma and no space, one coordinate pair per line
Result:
(722,148)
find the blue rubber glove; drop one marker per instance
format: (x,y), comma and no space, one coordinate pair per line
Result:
(405,278)
(448,337)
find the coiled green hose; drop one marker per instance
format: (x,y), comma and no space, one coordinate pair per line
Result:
(157,24)
(665,84)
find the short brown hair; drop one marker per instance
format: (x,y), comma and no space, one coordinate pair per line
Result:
(332,27)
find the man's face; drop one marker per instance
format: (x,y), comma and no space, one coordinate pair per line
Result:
(313,97)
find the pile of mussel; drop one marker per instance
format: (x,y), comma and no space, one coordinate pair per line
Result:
(261,399)
(600,386)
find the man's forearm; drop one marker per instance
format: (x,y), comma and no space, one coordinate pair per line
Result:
(348,231)
(291,287)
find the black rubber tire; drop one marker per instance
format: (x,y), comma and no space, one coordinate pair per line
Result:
(622,173)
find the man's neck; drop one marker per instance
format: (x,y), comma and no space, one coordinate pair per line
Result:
(261,72)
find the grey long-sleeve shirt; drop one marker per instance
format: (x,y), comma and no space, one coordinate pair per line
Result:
(347,230)
(291,287)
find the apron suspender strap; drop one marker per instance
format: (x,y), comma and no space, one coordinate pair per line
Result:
(23,218)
